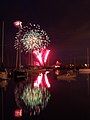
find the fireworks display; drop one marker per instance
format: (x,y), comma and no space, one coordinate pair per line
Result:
(31,98)
(31,37)
(41,56)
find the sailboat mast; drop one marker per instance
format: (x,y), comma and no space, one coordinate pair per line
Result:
(88,57)
(2,41)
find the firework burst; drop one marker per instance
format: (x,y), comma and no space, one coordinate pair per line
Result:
(31,37)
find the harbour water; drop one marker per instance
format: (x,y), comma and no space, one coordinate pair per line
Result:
(69,100)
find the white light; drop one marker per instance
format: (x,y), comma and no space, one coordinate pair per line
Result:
(86,65)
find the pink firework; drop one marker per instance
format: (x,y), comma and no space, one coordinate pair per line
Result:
(41,56)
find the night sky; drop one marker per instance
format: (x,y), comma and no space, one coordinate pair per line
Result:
(67,23)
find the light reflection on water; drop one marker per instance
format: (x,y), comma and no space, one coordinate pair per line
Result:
(68,100)
(32,95)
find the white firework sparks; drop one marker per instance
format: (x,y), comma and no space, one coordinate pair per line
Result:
(31,37)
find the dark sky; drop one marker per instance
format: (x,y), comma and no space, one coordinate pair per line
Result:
(67,23)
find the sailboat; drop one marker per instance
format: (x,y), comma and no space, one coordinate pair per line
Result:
(87,69)
(3,71)
(68,76)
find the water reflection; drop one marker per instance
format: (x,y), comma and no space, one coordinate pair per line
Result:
(44,97)
(42,80)
(88,88)
(32,95)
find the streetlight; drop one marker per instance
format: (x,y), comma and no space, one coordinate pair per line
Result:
(18,24)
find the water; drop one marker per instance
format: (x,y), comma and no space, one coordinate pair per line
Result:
(70,100)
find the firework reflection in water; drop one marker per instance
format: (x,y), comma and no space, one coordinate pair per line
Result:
(31,98)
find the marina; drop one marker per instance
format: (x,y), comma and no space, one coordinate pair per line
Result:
(45,60)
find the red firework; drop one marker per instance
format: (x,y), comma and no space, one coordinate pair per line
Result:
(41,56)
